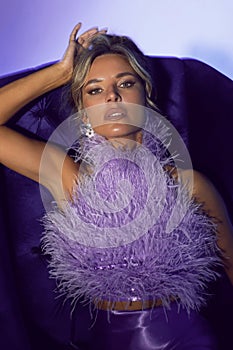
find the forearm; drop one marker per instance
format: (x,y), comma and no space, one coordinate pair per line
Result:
(20,92)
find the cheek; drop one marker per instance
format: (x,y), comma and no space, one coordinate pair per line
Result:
(143,98)
(87,100)
(140,99)
(84,101)
(140,96)
(90,101)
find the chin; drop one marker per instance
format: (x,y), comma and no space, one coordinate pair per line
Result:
(111,131)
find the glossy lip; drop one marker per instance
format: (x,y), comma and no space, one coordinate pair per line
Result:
(114,114)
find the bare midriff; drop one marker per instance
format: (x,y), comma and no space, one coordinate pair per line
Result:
(130,305)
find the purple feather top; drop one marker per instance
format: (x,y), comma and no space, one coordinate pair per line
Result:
(112,241)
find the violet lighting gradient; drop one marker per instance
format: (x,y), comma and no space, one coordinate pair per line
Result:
(36,32)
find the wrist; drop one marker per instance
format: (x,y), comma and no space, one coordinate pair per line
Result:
(63,72)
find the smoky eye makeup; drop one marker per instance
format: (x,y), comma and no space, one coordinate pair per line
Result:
(94,91)
(128,83)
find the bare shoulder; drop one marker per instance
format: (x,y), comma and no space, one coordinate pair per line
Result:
(58,172)
(212,202)
(203,190)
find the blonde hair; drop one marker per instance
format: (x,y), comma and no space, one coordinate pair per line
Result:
(111,44)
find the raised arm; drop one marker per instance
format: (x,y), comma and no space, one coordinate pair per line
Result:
(23,154)
(18,93)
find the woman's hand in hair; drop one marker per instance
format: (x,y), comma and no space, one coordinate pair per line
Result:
(76,45)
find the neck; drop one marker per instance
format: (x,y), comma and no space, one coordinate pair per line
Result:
(129,141)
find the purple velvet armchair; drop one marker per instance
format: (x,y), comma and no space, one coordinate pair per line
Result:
(198,100)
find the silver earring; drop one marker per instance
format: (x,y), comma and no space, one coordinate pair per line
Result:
(87,130)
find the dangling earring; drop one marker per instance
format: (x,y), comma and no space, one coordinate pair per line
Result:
(87,130)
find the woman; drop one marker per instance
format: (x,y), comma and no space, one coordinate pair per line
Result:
(110,76)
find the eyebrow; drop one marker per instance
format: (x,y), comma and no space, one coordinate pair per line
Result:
(119,75)
(92,81)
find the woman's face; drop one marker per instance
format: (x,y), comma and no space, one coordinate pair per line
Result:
(112,83)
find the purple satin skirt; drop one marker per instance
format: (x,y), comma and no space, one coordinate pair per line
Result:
(156,329)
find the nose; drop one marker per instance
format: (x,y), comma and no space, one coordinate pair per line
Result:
(113,95)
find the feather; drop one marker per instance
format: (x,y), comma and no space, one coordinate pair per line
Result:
(111,241)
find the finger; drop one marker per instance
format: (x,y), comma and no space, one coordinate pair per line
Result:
(90,31)
(85,39)
(103,31)
(75,31)
(93,31)
(87,35)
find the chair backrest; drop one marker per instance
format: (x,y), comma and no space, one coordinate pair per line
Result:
(198,100)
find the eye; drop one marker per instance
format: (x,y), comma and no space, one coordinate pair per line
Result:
(127,84)
(94,91)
